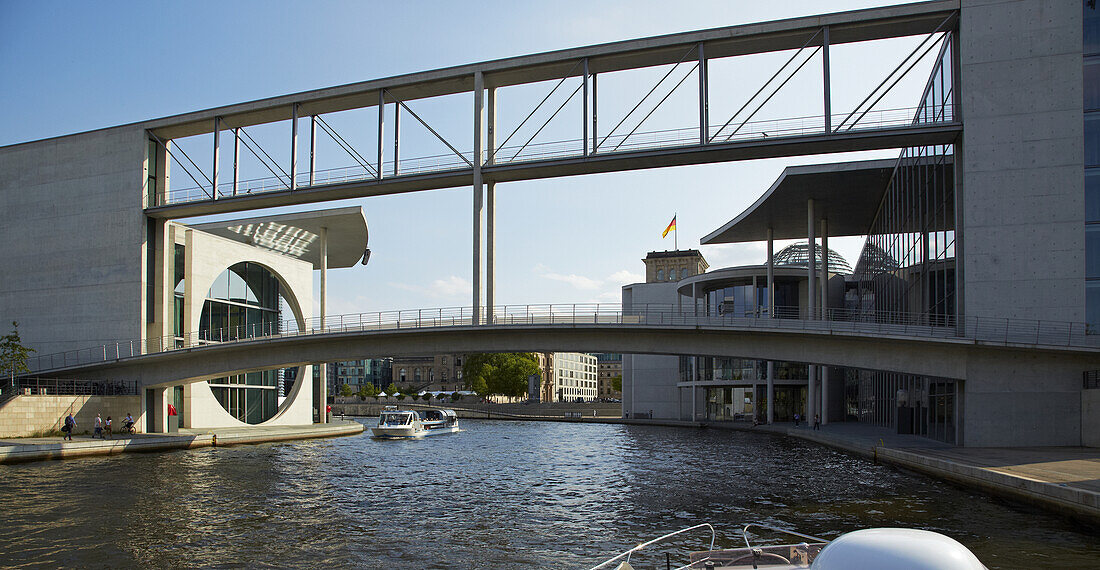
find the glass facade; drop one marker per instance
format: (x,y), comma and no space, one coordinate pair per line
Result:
(910,404)
(1091,54)
(243,302)
(906,270)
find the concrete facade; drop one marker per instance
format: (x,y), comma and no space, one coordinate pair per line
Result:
(1022,152)
(73,233)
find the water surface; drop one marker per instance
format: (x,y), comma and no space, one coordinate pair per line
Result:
(500,494)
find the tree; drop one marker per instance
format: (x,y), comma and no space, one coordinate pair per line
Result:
(391,389)
(13,355)
(366,390)
(617,383)
(345,390)
(499,373)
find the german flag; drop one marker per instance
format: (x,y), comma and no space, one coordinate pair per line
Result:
(671,226)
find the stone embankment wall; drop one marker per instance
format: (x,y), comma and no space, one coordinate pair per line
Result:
(26,415)
(469,408)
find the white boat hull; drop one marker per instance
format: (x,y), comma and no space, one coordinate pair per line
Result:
(408,432)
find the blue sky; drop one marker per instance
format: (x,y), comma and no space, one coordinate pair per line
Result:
(71,67)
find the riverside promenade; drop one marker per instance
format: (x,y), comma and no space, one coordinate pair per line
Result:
(17,450)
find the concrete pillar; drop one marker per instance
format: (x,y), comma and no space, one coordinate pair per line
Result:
(323,367)
(490,209)
(771,277)
(811,393)
(479,112)
(771,391)
(824,395)
(824,269)
(217,155)
(811,265)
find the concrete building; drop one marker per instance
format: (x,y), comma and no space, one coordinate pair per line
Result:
(609,367)
(574,377)
(440,372)
(996,225)
(673,265)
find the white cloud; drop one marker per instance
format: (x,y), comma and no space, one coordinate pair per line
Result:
(610,285)
(623,277)
(451,287)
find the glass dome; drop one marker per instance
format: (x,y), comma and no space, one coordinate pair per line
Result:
(797,254)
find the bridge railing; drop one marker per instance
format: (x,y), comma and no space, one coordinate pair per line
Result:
(920,325)
(569,148)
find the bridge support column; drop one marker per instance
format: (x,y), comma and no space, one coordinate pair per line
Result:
(490,210)
(771,280)
(479,112)
(824,269)
(824,395)
(771,391)
(322,403)
(811,394)
(811,263)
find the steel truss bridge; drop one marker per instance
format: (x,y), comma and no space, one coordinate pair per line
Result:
(601,145)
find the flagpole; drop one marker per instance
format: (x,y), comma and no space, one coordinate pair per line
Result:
(676,232)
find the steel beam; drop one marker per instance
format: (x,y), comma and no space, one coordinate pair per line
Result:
(214,173)
(584,112)
(396,138)
(312,148)
(827,89)
(381,128)
(236,158)
(595,107)
(294,148)
(704,97)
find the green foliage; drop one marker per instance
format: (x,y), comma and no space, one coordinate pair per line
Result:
(345,390)
(366,390)
(617,383)
(441,396)
(400,396)
(499,373)
(391,389)
(13,355)
(456,397)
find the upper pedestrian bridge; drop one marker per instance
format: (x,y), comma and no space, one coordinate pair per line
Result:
(603,139)
(912,344)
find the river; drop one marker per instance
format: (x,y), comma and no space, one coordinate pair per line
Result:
(500,494)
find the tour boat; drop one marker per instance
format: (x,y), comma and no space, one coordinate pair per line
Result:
(394,423)
(868,549)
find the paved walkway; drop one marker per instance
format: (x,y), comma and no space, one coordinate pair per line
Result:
(14,450)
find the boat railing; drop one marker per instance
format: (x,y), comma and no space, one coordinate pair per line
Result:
(625,556)
(745,533)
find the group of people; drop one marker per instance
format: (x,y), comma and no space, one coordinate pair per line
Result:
(817,420)
(102,428)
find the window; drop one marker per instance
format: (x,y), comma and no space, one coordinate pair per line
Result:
(401,377)
(416,374)
(683,273)
(660,274)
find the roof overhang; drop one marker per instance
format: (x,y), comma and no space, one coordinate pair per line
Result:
(298,235)
(847,194)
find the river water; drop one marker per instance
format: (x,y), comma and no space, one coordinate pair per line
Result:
(500,494)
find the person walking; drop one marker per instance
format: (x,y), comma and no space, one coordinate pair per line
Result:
(70,423)
(107,427)
(817,421)
(98,427)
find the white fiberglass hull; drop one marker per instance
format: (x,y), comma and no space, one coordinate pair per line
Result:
(404,431)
